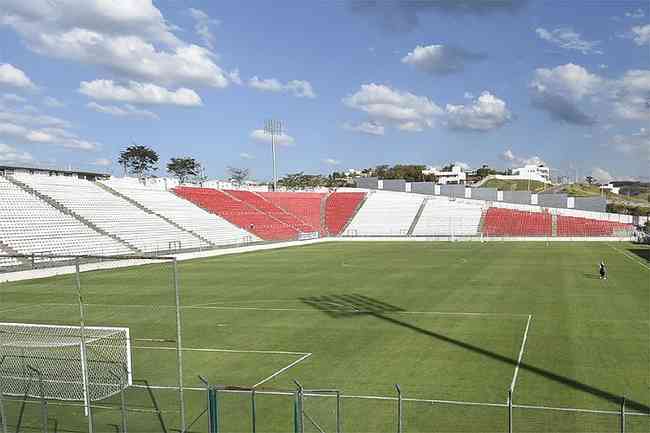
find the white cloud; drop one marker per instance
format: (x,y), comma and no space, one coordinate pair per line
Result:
(281,140)
(636,144)
(379,101)
(113,34)
(487,112)
(12,76)
(54,136)
(202,24)
(370,127)
(52,102)
(440,59)
(234,77)
(12,97)
(127,110)
(468,95)
(102,162)
(139,93)
(641,35)
(601,175)
(560,90)
(11,154)
(631,95)
(32,119)
(298,88)
(639,13)
(568,39)
(518,161)
(331,161)
(245,155)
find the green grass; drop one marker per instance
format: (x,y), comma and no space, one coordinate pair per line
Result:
(587,345)
(515,185)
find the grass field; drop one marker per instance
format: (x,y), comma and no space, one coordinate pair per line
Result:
(459,322)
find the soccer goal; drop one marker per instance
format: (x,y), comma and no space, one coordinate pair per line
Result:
(52,361)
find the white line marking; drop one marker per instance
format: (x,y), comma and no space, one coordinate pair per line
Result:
(521,354)
(282,370)
(629,256)
(193,349)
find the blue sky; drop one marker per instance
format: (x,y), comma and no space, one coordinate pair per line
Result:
(356,83)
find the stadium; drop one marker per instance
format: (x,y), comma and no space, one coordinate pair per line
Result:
(305,310)
(394,216)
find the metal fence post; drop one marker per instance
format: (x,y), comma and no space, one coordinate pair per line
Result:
(510,410)
(179,346)
(338,411)
(84,360)
(3,419)
(253,424)
(399,408)
(623,415)
(300,419)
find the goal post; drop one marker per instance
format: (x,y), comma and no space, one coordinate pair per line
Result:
(49,361)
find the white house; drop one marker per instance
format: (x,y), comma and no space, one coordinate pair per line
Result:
(610,188)
(534,172)
(455,175)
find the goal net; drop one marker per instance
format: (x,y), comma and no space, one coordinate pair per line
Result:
(49,361)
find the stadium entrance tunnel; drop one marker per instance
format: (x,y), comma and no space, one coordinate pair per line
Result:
(353,305)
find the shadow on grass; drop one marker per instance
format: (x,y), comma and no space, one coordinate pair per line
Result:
(352,305)
(644,254)
(591,276)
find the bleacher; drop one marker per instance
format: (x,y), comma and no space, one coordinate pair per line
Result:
(238,213)
(145,231)
(577,226)
(509,222)
(385,214)
(28,225)
(304,205)
(211,227)
(264,205)
(444,217)
(339,209)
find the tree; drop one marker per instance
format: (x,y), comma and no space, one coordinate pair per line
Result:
(238,175)
(138,160)
(301,180)
(184,168)
(590,180)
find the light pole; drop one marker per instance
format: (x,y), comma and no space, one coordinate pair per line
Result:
(274,129)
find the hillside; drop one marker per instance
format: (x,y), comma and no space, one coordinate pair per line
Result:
(638,204)
(514,185)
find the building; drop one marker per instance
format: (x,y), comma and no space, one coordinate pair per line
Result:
(532,172)
(610,188)
(44,171)
(454,176)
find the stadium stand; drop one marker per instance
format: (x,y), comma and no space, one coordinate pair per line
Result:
(339,210)
(264,205)
(28,225)
(576,226)
(444,217)
(212,228)
(385,214)
(304,205)
(144,231)
(509,222)
(238,213)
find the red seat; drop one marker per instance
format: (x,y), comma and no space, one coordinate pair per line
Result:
(577,226)
(508,222)
(339,210)
(238,213)
(304,205)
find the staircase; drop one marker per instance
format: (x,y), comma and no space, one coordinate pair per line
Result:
(6,249)
(481,222)
(146,209)
(356,210)
(554,225)
(323,210)
(417,216)
(61,208)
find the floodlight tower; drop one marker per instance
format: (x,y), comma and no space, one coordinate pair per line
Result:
(274,128)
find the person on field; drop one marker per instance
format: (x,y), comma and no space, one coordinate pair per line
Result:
(602,270)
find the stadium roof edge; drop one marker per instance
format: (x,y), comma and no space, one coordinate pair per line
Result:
(4,167)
